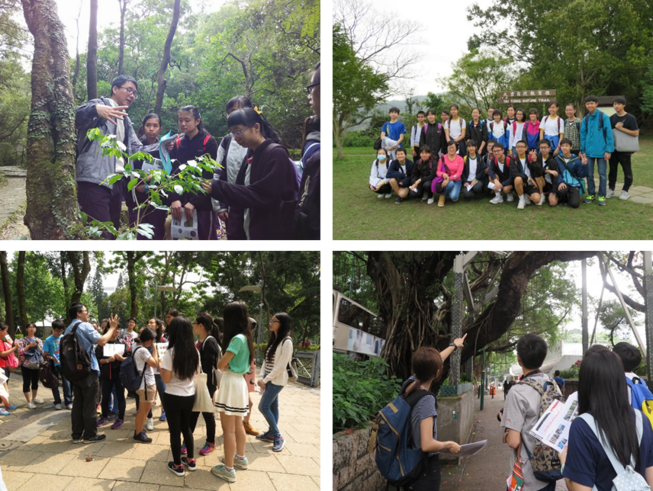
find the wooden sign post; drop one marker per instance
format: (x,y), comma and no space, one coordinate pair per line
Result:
(526,96)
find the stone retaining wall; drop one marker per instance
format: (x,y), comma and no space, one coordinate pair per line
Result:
(354,468)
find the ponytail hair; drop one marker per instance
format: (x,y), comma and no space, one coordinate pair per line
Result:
(141,130)
(238,102)
(210,327)
(248,116)
(196,114)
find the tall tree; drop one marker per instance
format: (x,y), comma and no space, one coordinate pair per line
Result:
(97,291)
(20,289)
(91,58)
(161,80)
(6,290)
(121,49)
(51,190)
(76,72)
(81,266)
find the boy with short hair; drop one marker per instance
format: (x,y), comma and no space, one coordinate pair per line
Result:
(631,358)
(546,171)
(499,172)
(400,174)
(523,174)
(521,411)
(624,126)
(415,133)
(597,144)
(51,354)
(571,171)
(560,381)
(392,133)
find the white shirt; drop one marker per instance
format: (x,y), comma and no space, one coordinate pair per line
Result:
(524,163)
(552,127)
(456,128)
(630,375)
(176,386)
(377,174)
(141,356)
(515,133)
(473,164)
(498,129)
(415,134)
(277,373)
(132,334)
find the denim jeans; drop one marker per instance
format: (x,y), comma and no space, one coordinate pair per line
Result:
(603,177)
(453,190)
(67,389)
(269,407)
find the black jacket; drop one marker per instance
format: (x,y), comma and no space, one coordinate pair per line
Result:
(477,133)
(424,170)
(481,169)
(396,172)
(431,136)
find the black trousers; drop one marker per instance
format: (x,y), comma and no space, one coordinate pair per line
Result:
(209,420)
(623,159)
(107,388)
(30,376)
(117,197)
(430,478)
(86,395)
(385,189)
(476,191)
(569,195)
(424,187)
(95,201)
(178,415)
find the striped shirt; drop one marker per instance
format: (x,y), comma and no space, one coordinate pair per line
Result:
(425,408)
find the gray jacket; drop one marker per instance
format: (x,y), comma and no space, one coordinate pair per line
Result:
(91,165)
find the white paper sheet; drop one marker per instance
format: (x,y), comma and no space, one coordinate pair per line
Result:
(183,229)
(113,349)
(552,428)
(470,449)
(155,165)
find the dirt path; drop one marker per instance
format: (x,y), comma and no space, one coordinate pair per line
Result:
(12,197)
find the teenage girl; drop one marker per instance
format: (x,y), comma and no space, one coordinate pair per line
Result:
(572,128)
(455,128)
(516,129)
(430,134)
(6,349)
(30,353)
(378,182)
(110,380)
(552,128)
(145,363)
(510,115)
(532,130)
(157,326)
(477,131)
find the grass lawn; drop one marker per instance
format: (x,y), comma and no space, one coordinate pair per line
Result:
(359,215)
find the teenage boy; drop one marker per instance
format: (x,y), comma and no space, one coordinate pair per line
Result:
(546,171)
(400,174)
(51,354)
(415,133)
(523,173)
(625,132)
(498,130)
(522,408)
(597,144)
(560,381)
(499,172)
(431,134)
(392,133)
(571,171)
(474,173)
(631,358)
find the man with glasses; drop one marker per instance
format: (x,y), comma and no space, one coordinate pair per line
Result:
(103,201)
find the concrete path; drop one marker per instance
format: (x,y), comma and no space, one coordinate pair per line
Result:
(49,461)
(12,197)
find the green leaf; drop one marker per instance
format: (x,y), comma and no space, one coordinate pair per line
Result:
(132,183)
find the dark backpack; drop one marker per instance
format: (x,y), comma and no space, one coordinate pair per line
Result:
(307,212)
(75,361)
(47,378)
(129,376)
(377,144)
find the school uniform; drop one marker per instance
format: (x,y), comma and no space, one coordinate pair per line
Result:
(499,133)
(500,171)
(516,132)
(552,129)
(624,158)
(431,135)
(426,172)
(572,173)
(231,156)
(262,200)
(378,177)
(186,149)
(402,173)
(415,133)
(456,130)
(474,169)
(531,135)
(110,380)
(526,170)
(479,133)
(233,398)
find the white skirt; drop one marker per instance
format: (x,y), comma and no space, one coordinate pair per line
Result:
(232,398)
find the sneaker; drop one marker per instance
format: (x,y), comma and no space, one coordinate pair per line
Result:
(397,202)
(69,406)
(424,198)
(522,203)
(11,407)
(102,421)
(4,412)
(113,416)
(184,450)
(163,416)
(37,401)
(388,195)
(31,405)
(117,424)
(238,463)
(58,407)
(96,438)
(249,429)
(98,410)
(142,438)
(279,442)
(497,199)
(149,425)
(589,198)
(78,440)
(542,199)
(601,200)
(177,470)
(624,195)
(222,472)
(510,198)
(527,199)
(430,201)
(265,437)
(441,201)
(190,463)
(207,448)
(380,196)
(610,193)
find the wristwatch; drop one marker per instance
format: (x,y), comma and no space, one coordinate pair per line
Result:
(454,345)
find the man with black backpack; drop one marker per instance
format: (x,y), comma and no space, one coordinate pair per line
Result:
(80,365)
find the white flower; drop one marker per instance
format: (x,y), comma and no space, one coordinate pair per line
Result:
(182,167)
(121,146)
(192,163)
(178,189)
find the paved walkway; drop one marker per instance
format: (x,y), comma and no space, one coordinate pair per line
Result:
(37,453)
(12,197)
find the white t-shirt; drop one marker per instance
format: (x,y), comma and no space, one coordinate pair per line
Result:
(498,129)
(551,127)
(630,375)
(516,131)
(456,128)
(141,356)
(177,387)
(473,164)
(524,163)
(132,334)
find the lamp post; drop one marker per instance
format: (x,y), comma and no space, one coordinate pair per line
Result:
(256,288)
(157,289)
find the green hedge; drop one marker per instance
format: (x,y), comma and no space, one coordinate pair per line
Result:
(359,139)
(360,390)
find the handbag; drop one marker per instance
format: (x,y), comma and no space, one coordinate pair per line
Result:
(624,142)
(216,372)
(203,402)
(516,479)
(47,376)
(291,368)
(32,358)
(11,359)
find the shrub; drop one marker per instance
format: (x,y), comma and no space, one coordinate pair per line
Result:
(359,139)
(360,390)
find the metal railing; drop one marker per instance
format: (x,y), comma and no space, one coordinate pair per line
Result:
(308,367)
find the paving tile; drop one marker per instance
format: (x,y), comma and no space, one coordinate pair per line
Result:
(288,482)
(137,486)
(13,479)
(263,462)
(249,480)
(45,482)
(302,449)
(143,452)
(305,466)
(47,463)
(122,450)
(78,467)
(18,459)
(86,484)
(123,470)
(202,478)
(158,473)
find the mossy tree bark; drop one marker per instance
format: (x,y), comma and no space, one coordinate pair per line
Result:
(81,264)
(132,258)
(6,290)
(161,79)
(51,190)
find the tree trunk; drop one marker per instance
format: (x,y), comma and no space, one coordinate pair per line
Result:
(161,80)
(80,272)
(91,59)
(64,279)
(121,49)
(338,140)
(51,190)
(6,289)
(20,290)
(132,259)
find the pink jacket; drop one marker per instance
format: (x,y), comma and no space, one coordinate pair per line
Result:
(453,169)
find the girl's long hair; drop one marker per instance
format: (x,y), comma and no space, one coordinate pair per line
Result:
(236,321)
(285,330)
(186,357)
(247,116)
(312,123)
(602,392)
(427,363)
(159,329)
(209,325)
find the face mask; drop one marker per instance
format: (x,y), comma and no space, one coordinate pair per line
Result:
(381,158)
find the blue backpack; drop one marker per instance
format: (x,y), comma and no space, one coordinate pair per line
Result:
(642,398)
(129,376)
(392,441)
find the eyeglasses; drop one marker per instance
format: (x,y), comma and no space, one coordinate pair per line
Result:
(238,133)
(274,321)
(131,91)
(310,88)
